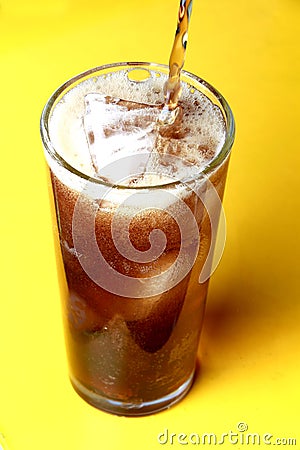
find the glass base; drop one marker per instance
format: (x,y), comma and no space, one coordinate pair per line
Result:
(132,409)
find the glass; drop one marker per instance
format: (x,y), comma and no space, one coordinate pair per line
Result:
(133,319)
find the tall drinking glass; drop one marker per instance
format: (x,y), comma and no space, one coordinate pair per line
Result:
(137,208)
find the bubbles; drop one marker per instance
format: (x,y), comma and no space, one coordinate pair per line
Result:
(160,214)
(67,126)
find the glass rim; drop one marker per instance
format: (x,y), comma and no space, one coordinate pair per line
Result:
(207,169)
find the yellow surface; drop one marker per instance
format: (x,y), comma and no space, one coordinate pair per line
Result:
(250,348)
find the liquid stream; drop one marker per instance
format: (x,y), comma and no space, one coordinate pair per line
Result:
(172,88)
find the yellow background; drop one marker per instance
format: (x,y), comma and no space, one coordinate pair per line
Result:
(250,347)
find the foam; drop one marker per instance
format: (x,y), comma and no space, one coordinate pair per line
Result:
(202,119)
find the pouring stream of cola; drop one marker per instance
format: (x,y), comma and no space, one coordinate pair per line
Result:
(104,114)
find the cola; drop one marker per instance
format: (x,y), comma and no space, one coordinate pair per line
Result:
(137,205)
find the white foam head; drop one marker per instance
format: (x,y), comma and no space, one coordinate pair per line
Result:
(79,112)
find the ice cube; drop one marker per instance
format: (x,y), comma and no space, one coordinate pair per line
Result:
(120,135)
(152,332)
(130,145)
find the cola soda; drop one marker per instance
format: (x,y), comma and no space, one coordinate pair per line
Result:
(137,205)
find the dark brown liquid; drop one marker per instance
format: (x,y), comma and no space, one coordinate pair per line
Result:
(131,350)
